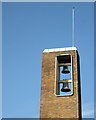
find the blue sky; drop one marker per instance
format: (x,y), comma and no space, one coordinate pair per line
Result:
(29,28)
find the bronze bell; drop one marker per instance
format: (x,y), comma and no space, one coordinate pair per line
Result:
(65,70)
(65,87)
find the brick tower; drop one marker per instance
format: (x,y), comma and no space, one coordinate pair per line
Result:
(60,84)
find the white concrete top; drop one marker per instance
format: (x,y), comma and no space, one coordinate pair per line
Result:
(59,49)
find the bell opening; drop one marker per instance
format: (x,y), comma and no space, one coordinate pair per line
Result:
(64,75)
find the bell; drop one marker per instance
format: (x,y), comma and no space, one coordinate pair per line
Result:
(65,70)
(65,87)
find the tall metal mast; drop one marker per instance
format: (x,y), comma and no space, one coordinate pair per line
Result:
(73,26)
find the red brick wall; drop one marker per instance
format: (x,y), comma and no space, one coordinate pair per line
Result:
(52,106)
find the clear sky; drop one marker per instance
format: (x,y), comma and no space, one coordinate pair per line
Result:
(29,28)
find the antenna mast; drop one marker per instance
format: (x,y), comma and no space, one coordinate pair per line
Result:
(73,26)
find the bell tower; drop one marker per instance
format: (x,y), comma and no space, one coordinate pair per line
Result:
(60,84)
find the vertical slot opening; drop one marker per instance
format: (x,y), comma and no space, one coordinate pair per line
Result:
(64,75)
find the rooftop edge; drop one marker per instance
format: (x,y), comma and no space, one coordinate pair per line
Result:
(59,49)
